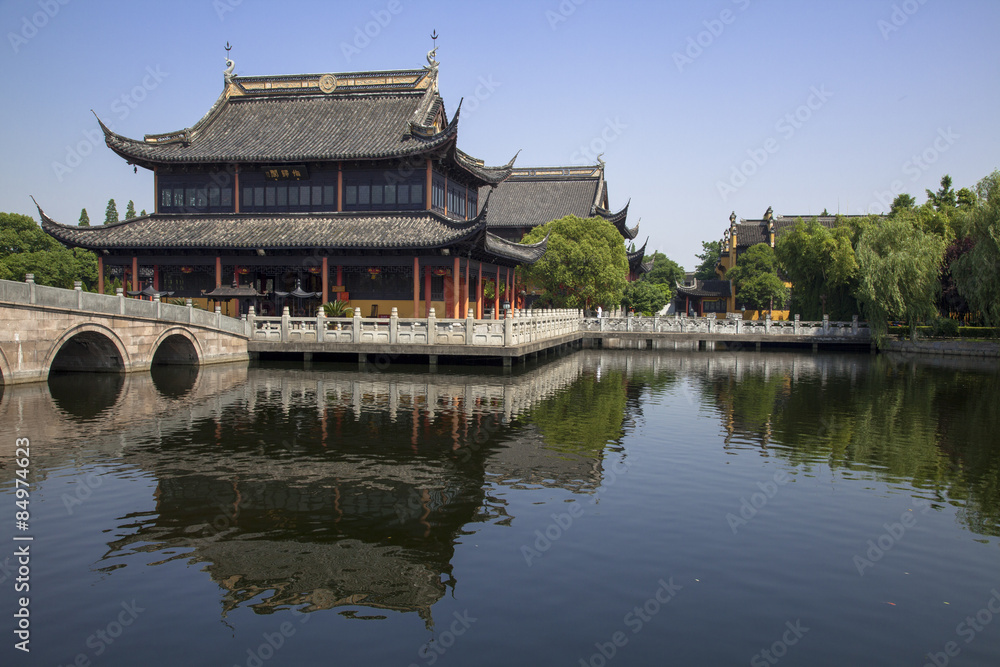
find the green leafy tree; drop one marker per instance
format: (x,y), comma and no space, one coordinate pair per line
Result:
(644,297)
(142,212)
(584,264)
(898,266)
(130,210)
(25,248)
(111,212)
(944,198)
(755,278)
(902,202)
(711,251)
(977,272)
(665,274)
(84,218)
(821,265)
(966,199)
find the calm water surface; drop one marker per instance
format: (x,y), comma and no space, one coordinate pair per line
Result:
(629,508)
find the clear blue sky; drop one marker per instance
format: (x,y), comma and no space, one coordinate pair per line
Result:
(830,102)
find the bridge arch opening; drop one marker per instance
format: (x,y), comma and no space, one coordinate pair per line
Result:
(88,352)
(175,350)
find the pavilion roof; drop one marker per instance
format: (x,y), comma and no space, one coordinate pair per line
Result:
(533,196)
(315,117)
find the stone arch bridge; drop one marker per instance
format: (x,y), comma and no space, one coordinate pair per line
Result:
(44,329)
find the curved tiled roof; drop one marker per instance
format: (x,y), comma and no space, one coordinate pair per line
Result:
(300,128)
(522,253)
(531,202)
(405,230)
(250,231)
(292,118)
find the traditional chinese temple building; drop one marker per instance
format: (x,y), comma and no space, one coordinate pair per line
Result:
(350,186)
(749,232)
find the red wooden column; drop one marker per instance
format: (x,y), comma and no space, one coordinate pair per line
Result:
(156,277)
(135,274)
(479,294)
(510,288)
(465,299)
(340,186)
(100,275)
(496,296)
(236,188)
(416,287)
(427,190)
(326,279)
(427,291)
(456,288)
(218,272)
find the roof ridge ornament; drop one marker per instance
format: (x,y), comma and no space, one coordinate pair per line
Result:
(229,72)
(432,63)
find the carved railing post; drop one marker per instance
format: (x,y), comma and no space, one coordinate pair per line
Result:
(356,326)
(394,326)
(508,329)
(431,327)
(156,300)
(218,317)
(795,325)
(826,325)
(320,325)
(120,291)
(286,323)
(854,325)
(470,326)
(251,327)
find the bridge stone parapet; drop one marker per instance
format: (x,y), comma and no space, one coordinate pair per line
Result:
(49,328)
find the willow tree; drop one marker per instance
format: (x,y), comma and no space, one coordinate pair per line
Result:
(821,265)
(584,264)
(977,272)
(898,265)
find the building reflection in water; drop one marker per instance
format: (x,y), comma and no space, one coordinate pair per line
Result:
(326,489)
